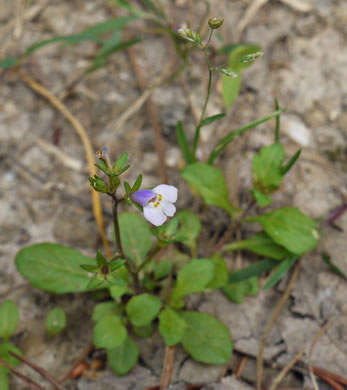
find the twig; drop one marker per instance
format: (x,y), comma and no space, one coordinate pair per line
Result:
(58,104)
(228,235)
(248,16)
(273,319)
(86,351)
(241,366)
(154,117)
(33,385)
(166,373)
(333,376)
(330,381)
(40,370)
(286,369)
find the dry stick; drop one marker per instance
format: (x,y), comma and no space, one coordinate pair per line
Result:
(33,385)
(250,13)
(285,370)
(58,104)
(314,342)
(335,377)
(273,319)
(241,366)
(154,117)
(86,351)
(40,370)
(166,374)
(331,381)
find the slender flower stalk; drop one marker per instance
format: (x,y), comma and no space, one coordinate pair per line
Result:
(129,265)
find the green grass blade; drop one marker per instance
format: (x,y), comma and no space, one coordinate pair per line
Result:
(229,138)
(183,143)
(253,270)
(277,129)
(286,168)
(281,270)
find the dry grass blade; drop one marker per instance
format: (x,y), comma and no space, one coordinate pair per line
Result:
(248,16)
(58,104)
(285,370)
(273,319)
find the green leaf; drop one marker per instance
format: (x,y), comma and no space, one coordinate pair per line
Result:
(236,291)
(144,331)
(231,88)
(267,168)
(190,228)
(290,228)
(327,260)
(221,144)
(209,182)
(9,316)
(142,309)
(211,119)
(137,183)
(261,199)
(90,34)
(100,259)
(54,268)
(281,270)
(221,273)
(127,187)
(109,332)
(206,339)
(277,129)
(89,268)
(55,321)
(252,270)
(171,326)
(106,308)
(261,244)
(119,164)
(4,379)
(136,237)
(163,269)
(124,357)
(183,143)
(5,349)
(193,278)
(287,167)
(118,291)
(8,62)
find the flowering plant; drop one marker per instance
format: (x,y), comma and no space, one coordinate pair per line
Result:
(145,289)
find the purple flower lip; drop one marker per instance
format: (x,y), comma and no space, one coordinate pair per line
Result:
(142,197)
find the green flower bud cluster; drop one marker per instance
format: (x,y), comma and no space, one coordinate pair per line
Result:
(190,35)
(112,171)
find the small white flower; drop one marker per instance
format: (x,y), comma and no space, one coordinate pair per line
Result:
(157,203)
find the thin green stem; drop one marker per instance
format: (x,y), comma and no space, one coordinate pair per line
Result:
(198,127)
(129,265)
(209,38)
(149,257)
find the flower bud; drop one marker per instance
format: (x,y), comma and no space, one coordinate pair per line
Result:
(190,35)
(215,23)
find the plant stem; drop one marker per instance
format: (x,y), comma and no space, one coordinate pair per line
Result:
(129,265)
(198,127)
